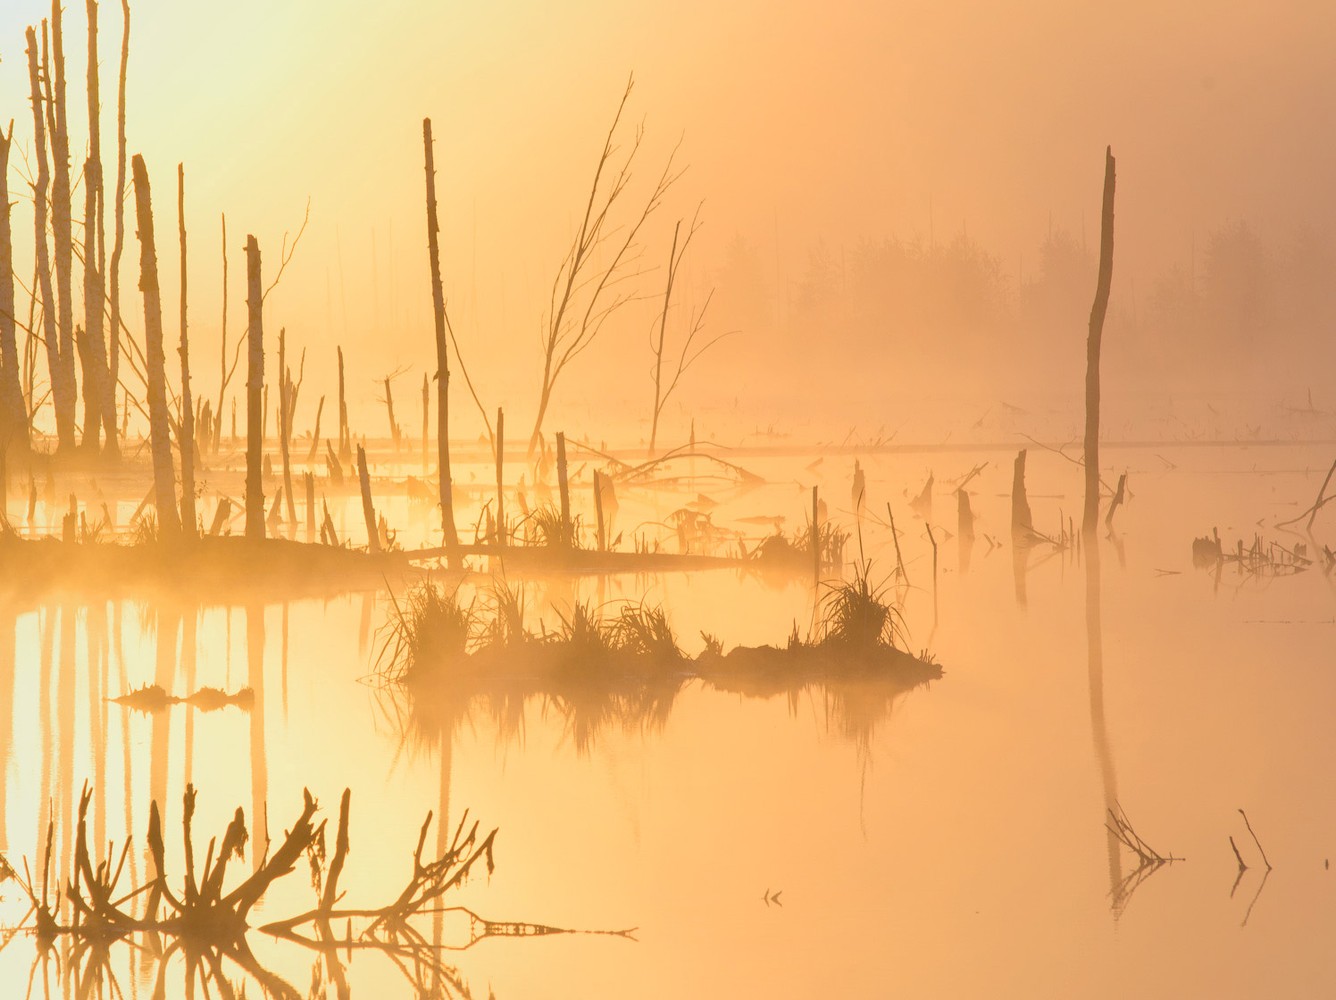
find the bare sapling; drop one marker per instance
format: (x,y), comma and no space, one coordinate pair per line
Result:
(596,275)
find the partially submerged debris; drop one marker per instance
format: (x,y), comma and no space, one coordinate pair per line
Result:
(152,698)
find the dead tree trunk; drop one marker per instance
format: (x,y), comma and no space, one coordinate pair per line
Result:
(1090,522)
(394,427)
(564,491)
(118,244)
(315,434)
(187,436)
(1022,524)
(164,481)
(500,476)
(285,408)
(222,352)
(345,435)
(442,356)
(95,253)
(13,413)
(254,392)
(426,426)
(62,229)
(368,510)
(50,333)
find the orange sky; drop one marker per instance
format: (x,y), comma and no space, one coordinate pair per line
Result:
(800,121)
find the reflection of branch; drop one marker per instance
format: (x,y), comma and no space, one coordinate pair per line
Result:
(1260,886)
(1149,860)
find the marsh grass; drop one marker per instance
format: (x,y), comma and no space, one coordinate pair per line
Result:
(643,630)
(859,615)
(430,624)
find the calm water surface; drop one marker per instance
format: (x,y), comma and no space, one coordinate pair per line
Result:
(951,843)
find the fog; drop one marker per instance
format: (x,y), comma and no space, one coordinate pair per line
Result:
(914,182)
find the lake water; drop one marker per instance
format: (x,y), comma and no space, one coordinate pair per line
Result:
(952,843)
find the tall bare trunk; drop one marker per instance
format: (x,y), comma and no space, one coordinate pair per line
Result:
(65,430)
(254,391)
(118,239)
(100,392)
(13,413)
(285,407)
(1090,522)
(159,424)
(442,356)
(187,437)
(345,435)
(222,369)
(62,226)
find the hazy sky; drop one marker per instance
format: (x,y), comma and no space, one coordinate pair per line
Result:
(803,120)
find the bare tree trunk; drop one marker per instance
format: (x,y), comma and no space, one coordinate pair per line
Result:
(254,392)
(285,408)
(65,431)
(500,476)
(95,260)
(13,413)
(187,437)
(442,355)
(315,434)
(368,510)
(62,226)
(1090,522)
(426,427)
(345,435)
(222,361)
(394,427)
(164,481)
(564,491)
(118,244)
(1021,521)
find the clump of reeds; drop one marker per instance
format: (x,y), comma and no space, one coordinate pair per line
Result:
(430,624)
(794,550)
(643,630)
(858,614)
(431,627)
(546,527)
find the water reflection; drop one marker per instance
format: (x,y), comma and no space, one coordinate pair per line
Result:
(1098,724)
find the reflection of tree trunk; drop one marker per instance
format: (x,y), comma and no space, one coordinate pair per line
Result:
(1020,565)
(8,645)
(64,779)
(259,767)
(443,828)
(964,529)
(1098,726)
(164,675)
(45,678)
(189,658)
(96,629)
